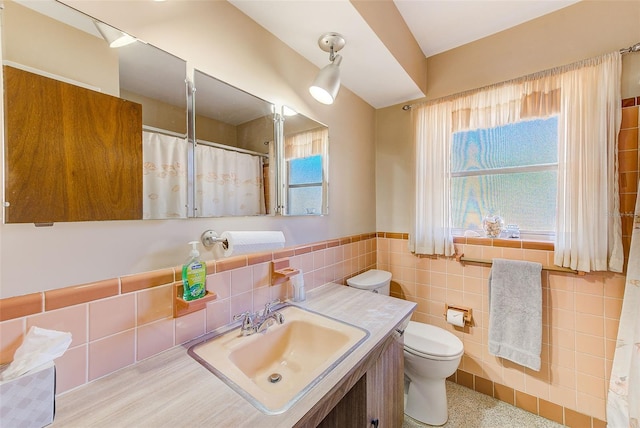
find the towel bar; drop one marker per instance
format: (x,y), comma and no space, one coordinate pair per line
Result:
(462,259)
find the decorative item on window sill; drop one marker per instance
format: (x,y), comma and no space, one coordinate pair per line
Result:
(493,225)
(513,231)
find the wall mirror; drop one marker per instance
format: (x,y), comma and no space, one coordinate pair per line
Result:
(51,40)
(305,164)
(234,150)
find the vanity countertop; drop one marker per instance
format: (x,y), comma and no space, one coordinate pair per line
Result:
(172,389)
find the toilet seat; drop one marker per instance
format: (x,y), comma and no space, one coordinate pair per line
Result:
(429,341)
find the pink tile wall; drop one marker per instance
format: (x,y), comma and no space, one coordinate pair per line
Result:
(580,320)
(134,320)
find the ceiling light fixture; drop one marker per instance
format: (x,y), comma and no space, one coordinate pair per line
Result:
(326,85)
(115,38)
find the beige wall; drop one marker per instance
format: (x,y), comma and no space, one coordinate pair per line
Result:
(584,30)
(250,58)
(45,46)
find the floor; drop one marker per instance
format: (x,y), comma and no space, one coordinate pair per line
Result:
(471,409)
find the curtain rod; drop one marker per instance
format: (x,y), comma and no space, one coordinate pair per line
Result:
(163,131)
(231,148)
(630,49)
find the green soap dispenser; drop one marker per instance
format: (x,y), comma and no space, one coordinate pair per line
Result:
(194,275)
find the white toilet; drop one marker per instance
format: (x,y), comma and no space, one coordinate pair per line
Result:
(431,354)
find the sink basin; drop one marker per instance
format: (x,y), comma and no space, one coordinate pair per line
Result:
(274,369)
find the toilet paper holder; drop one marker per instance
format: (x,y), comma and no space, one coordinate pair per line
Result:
(467,312)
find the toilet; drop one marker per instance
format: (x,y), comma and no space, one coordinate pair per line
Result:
(431,355)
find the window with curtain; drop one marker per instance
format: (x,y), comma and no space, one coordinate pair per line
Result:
(454,185)
(306,159)
(497,170)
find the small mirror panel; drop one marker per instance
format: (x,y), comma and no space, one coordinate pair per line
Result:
(234,151)
(305,164)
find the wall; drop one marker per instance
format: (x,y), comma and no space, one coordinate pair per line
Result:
(580,320)
(36,259)
(580,313)
(550,41)
(119,321)
(44,46)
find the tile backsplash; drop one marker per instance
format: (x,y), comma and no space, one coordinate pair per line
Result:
(117,322)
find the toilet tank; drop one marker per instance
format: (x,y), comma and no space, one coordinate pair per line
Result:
(377,281)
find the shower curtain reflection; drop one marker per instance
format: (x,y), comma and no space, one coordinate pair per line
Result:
(164,176)
(228,183)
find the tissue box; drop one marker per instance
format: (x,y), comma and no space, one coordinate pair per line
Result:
(29,400)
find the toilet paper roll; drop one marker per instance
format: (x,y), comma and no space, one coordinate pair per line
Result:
(455,317)
(244,242)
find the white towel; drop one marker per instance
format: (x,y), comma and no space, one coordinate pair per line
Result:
(515,311)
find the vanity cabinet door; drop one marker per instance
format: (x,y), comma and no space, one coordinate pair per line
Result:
(71,154)
(385,385)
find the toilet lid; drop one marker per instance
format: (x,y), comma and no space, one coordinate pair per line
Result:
(370,279)
(431,340)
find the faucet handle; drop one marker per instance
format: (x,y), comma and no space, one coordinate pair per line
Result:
(246,317)
(267,307)
(242,316)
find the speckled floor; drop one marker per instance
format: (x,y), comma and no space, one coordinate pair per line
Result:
(471,409)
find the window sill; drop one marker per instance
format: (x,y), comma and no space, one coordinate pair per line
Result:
(525,244)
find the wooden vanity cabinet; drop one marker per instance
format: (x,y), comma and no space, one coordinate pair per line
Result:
(71,154)
(385,385)
(378,395)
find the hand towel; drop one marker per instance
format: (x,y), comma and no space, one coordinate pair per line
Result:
(515,311)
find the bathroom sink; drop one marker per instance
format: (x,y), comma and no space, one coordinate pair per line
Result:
(274,369)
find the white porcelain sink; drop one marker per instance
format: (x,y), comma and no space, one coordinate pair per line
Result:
(274,369)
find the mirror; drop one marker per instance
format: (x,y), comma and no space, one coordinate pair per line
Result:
(304,175)
(47,38)
(157,80)
(234,150)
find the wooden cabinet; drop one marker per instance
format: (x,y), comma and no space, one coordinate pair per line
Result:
(385,385)
(378,395)
(71,154)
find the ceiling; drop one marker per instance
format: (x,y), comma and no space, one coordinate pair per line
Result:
(436,25)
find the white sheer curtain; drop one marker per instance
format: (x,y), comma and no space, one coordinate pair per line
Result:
(432,213)
(589,235)
(228,183)
(307,143)
(164,176)
(586,97)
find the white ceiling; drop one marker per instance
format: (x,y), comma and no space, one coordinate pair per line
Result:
(437,25)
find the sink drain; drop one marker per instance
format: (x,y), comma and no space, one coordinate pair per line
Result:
(275,377)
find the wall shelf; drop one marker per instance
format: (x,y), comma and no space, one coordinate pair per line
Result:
(281,271)
(183,307)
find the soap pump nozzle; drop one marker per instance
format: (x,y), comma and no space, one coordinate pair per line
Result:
(194,249)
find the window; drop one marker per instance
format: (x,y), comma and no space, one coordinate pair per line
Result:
(304,194)
(509,170)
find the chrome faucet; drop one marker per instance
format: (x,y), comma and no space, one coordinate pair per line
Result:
(254,322)
(267,321)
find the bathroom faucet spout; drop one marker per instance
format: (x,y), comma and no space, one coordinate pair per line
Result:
(268,321)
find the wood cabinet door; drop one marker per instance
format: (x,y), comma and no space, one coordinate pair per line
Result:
(71,154)
(385,385)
